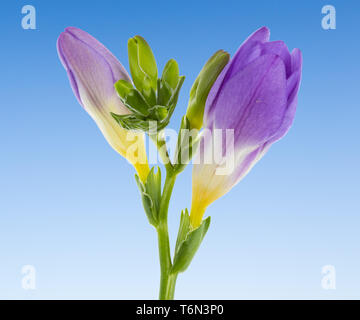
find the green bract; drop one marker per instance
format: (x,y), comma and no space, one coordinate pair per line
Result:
(188,242)
(151,194)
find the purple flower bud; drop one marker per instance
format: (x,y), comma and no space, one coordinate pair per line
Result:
(256,96)
(93,71)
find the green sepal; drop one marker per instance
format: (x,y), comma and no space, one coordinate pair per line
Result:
(151,194)
(188,242)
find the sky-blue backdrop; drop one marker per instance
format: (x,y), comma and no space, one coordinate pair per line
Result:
(69,205)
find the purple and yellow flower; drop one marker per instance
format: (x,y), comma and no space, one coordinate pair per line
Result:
(256,96)
(93,71)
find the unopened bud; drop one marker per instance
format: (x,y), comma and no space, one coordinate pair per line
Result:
(202,85)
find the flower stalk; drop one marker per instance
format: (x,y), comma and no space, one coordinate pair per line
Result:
(167,280)
(253,95)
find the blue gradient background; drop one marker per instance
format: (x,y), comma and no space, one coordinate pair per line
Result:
(69,204)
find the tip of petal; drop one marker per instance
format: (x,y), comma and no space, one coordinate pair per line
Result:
(82,35)
(76,32)
(262,35)
(69,29)
(296,60)
(64,36)
(60,44)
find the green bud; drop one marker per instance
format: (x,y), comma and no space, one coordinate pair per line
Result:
(168,82)
(123,88)
(142,66)
(202,85)
(170,74)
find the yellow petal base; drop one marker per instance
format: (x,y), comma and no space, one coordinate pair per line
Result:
(196,214)
(143,170)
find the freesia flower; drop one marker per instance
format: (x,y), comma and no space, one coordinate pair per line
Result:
(93,71)
(256,96)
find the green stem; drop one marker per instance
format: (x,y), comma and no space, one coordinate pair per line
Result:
(161,146)
(167,281)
